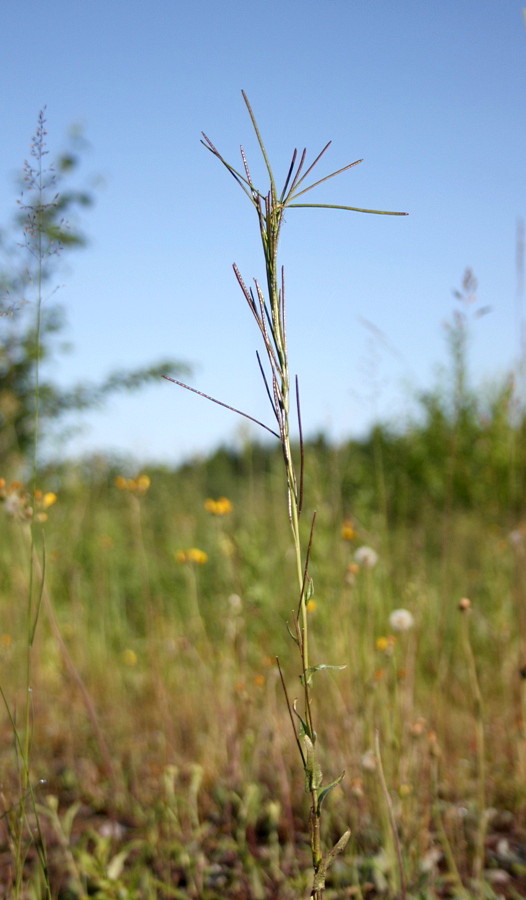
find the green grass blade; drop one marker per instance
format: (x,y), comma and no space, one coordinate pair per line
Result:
(261,144)
(376,212)
(326,178)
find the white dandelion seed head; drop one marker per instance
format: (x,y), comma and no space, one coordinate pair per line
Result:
(401,620)
(368,761)
(366,557)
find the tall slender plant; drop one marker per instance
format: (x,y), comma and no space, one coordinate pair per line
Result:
(40,244)
(268,310)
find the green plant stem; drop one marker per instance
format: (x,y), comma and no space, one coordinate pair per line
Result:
(270,318)
(76,678)
(35,244)
(478,862)
(443,838)
(392,820)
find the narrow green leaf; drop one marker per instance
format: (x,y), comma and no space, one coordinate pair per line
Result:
(261,144)
(304,729)
(312,669)
(323,791)
(293,636)
(116,864)
(376,212)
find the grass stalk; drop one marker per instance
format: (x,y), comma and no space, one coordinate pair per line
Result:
(480,746)
(37,180)
(269,313)
(445,843)
(392,820)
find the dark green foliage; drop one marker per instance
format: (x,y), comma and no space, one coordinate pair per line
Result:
(40,232)
(461,450)
(471,460)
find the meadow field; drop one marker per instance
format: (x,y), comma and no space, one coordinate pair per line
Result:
(162,759)
(287,670)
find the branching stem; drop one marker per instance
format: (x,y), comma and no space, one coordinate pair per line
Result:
(269,314)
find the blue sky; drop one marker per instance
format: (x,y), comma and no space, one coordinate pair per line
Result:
(431,95)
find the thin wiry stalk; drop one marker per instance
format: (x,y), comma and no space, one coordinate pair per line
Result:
(289,174)
(289,707)
(302,449)
(306,567)
(220,403)
(325,178)
(480,752)
(391,815)
(297,181)
(264,376)
(40,244)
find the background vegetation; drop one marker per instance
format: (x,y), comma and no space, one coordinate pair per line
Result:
(156,702)
(162,761)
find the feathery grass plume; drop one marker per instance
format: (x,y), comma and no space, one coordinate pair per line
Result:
(41,244)
(268,310)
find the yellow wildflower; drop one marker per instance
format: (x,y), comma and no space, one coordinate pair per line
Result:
(43,502)
(137,485)
(347,531)
(193,555)
(385,644)
(219,507)
(196,556)
(142,483)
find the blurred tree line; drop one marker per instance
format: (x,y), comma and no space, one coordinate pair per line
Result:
(46,225)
